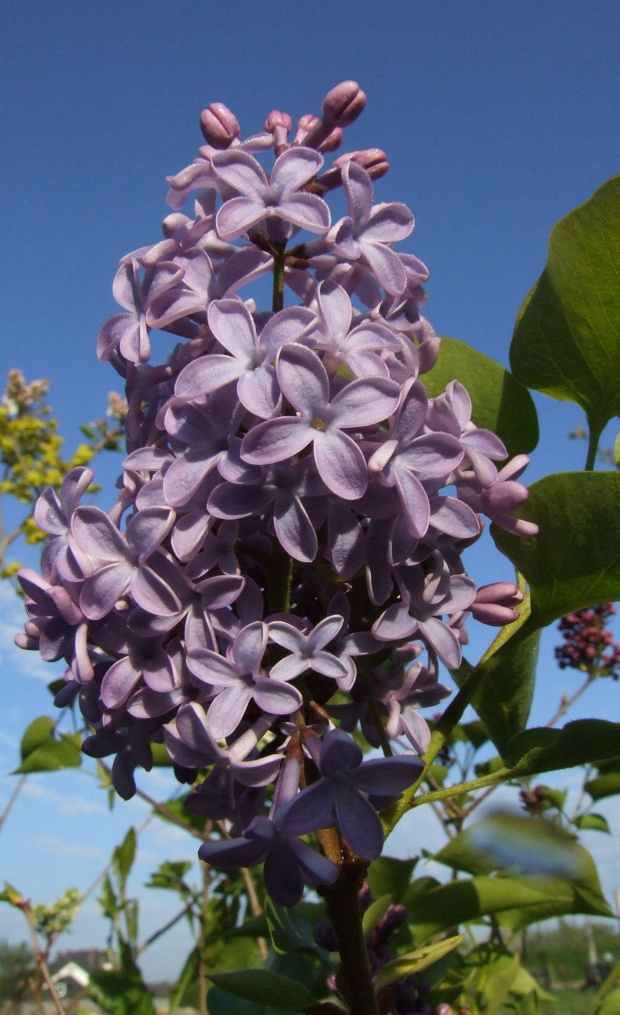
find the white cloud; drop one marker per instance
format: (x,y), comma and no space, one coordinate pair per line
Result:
(51,844)
(66,805)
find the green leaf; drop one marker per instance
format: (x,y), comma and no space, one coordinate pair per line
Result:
(555,797)
(220,1002)
(581,742)
(499,402)
(375,912)
(289,931)
(594,821)
(169,875)
(389,876)
(188,976)
(611,1004)
(567,336)
(504,699)
(475,732)
(39,731)
(50,755)
(604,785)
(121,992)
(500,976)
(416,961)
(574,561)
(264,987)
(123,856)
(517,902)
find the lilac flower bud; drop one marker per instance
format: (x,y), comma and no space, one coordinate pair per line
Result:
(278,124)
(173,222)
(373,160)
(304,125)
(496,604)
(343,104)
(332,141)
(218,125)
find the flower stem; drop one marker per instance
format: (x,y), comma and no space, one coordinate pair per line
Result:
(278,282)
(343,909)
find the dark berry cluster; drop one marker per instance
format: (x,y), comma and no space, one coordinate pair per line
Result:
(588,643)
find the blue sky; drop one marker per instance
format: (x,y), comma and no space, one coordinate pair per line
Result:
(498,117)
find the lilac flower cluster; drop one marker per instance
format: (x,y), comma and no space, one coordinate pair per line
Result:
(283,526)
(588,642)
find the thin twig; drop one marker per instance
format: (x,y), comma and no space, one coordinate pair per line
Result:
(255,908)
(41,959)
(13,797)
(565,703)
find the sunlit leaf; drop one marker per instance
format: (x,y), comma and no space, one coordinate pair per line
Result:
(414,962)
(574,561)
(567,336)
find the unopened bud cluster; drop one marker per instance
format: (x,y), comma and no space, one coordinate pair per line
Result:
(588,642)
(291,511)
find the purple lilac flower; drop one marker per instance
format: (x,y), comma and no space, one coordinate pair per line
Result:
(281,460)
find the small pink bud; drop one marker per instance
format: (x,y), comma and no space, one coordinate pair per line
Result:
(332,141)
(496,604)
(344,103)
(373,160)
(279,124)
(304,125)
(278,119)
(218,125)
(173,222)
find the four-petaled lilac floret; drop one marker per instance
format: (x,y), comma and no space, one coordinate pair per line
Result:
(349,791)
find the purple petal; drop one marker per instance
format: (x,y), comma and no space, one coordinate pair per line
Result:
(237,215)
(358,822)
(147,528)
(309,810)
(389,223)
(100,592)
(276,439)
(316,868)
(308,211)
(250,646)
(241,172)
(358,190)
(276,697)
(259,391)
(414,501)
(230,500)
(152,594)
(294,168)
(444,641)
(388,776)
(294,529)
(290,667)
(386,266)
(339,753)
(340,464)
(227,709)
(118,683)
(97,535)
(303,379)
(325,631)
(395,624)
(206,374)
(232,324)
(364,402)
(282,875)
